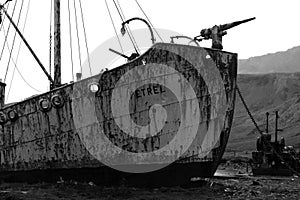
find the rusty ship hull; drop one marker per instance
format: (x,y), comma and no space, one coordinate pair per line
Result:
(48,136)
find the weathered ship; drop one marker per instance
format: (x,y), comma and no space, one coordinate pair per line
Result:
(173,126)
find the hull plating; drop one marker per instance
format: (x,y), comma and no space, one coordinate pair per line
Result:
(69,136)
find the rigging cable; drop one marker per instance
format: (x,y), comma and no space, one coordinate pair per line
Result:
(86,44)
(129,30)
(248,111)
(112,21)
(5,40)
(126,28)
(261,133)
(78,37)
(19,71)
(148,20)
(4,17)
(70,33)
(17,58)
(13,43)
(50,38)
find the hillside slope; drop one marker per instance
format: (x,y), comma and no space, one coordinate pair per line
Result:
(285,61)
(266,93)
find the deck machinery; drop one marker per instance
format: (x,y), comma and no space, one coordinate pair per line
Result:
(274,157)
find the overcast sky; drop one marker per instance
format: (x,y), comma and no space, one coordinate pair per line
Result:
(276,28)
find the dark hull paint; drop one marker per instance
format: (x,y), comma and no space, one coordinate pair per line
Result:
(175,174)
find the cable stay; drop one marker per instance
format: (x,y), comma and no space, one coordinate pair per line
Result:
(125,27)
(85,37)
(129,33)
(5,40)
(112,21)
(2,19)
(149,20)
(123,15)
(78,41)
(15,65)
(123,30)
(50,38)
(17,58)
(26,43)
(70,33)
(13,43)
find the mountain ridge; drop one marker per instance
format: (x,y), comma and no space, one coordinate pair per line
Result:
(279,62)
(266,93)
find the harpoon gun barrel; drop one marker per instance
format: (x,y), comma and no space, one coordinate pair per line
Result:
(217,32)
(225,27)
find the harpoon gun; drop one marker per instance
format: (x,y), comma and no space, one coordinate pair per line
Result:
(217,32)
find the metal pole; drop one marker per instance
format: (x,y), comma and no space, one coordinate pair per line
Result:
(57,45)
(28,46)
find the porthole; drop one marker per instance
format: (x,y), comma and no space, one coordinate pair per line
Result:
(45,105)
(57,101)
(94,87)
(12,115)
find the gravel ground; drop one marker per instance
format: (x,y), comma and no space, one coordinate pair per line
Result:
(239,186)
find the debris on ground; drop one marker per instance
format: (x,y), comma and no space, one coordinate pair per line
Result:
(236,184)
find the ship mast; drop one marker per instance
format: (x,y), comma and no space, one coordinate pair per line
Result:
(57,45)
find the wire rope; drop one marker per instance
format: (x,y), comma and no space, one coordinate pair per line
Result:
(19,71)
(17,58)
(70,33)
(13,43)
(129,30)
(50,38)
(86,43)
(131,39)
(5,40)
(112,21)
(78,41)
(149,20)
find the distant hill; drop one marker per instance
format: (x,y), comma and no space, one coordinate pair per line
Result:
(266,93)
(280,62)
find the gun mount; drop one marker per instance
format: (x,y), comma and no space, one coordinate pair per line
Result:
(217,32)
